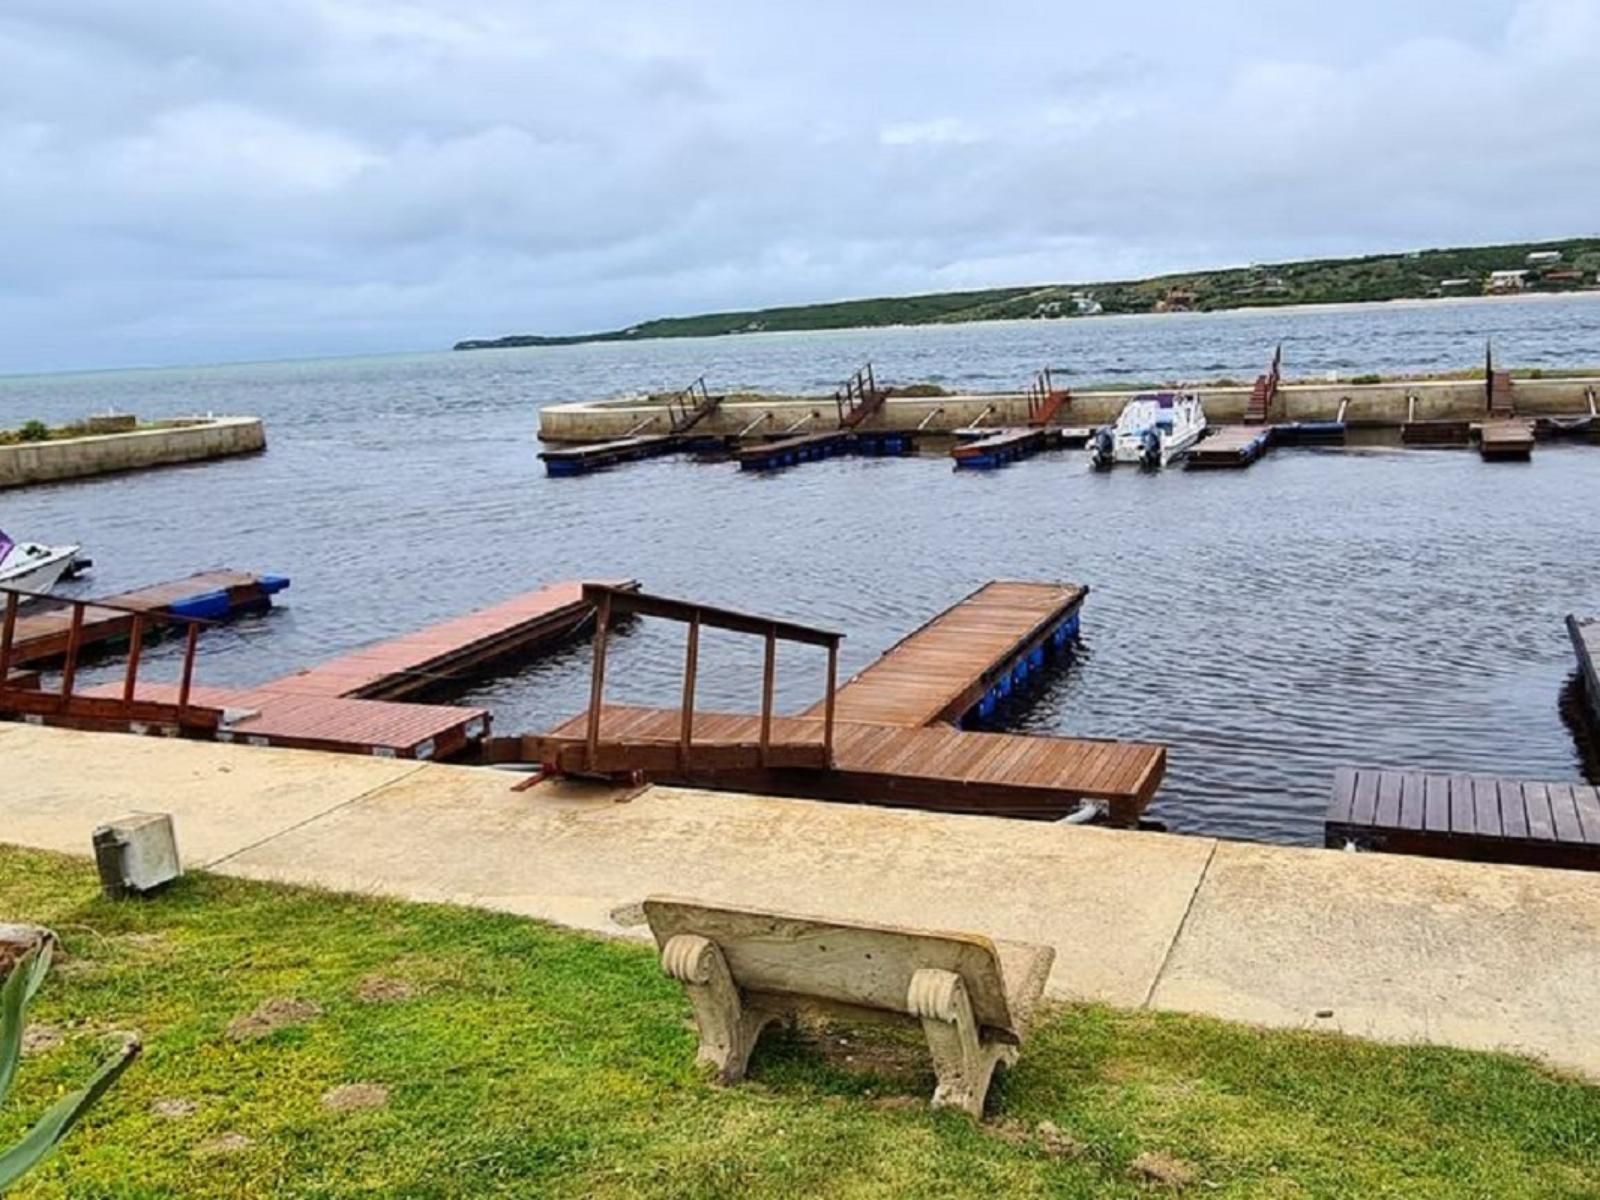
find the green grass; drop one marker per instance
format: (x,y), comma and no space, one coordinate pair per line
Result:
(534,1062)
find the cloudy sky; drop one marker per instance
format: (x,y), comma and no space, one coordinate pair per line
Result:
(187,181)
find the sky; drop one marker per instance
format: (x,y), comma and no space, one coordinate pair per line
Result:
(183,181)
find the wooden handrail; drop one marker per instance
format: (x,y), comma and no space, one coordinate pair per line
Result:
(108,606)
(618,601)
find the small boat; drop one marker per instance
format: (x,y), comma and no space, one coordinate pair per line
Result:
(1151,431)
(34,567)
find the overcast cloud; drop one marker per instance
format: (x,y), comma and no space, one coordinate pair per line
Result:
(187,181)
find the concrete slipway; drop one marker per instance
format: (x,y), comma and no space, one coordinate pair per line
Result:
(1398,949)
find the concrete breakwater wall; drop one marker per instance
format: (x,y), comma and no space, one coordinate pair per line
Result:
(157,444)
(1367,404)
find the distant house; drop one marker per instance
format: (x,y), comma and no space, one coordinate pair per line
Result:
(1544,258)
(1501,282)
(1454,285)
(1566,277)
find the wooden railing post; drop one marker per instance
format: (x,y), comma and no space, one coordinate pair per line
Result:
(827,704)
(8,633)
(69,670)
(691,667)
(191,642)
(135,648)
(768,673)
(597,682)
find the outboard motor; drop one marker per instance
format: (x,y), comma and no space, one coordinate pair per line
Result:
(1105,448)
(1150,450)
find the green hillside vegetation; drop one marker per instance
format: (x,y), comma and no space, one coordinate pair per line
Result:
(1416,275)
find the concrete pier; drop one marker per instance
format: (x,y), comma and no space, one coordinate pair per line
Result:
(1376,405)
(1380,946)
(159,444)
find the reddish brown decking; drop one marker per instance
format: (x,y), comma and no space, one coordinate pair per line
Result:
(1505,441)
(937,768)
(43,626)
(1466,816)
(441,653)
(939,672)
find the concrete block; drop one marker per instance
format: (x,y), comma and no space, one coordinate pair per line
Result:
(136,854)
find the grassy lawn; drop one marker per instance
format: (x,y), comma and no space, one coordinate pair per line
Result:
(520,1060)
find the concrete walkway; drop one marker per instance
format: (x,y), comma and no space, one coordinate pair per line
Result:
(1399,949)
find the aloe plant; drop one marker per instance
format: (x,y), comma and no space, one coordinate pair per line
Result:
(27,974)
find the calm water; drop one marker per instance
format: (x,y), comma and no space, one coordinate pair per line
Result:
(1321,608)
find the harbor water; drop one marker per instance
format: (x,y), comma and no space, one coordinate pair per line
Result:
(1368,605)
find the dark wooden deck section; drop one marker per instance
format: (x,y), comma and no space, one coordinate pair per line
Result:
(787,452)
(943,768)
(998,448)
(1474,817)
(1229,446)
(43,627)
(940,672)
(1436,433)
(1506,441)
(596,456)
(1585,634)
(447,653)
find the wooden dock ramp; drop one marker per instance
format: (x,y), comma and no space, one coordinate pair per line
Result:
(1234,446)
(946,669)
(885,737)
(1475,817)
(1506,441)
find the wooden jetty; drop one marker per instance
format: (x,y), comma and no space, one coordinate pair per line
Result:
(883,738)
(349,705)
(1506,441)
(1475,817)
(596,456)
(957,664)
(1229,446)
(43,630)
(449,652)
(1585,634)
(787,452)
(942,769)
(999,447)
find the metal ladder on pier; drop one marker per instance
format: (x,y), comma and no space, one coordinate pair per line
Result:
(1497,387)
(688,408)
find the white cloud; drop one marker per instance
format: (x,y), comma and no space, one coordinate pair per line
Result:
(186,179)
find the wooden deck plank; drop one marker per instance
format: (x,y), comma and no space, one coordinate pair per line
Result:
(1513,808)
(1564,813)
(1413,800)
(1587,802)
(1486,806)
(1536,803)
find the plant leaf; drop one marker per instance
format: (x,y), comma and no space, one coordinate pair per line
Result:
(54,1125)
(27,974)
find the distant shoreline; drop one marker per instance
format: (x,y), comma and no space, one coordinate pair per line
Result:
(1521,271)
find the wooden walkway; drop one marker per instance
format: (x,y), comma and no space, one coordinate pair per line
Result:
(952,664)
(265,716)
(1229,446)
(451,651)
(998,448)
(941,768)
(596,456)
(44,626)
(1466,816)
(1585,634)
(787,452)
(1506,441)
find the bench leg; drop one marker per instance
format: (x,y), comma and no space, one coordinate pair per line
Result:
(728,1027)
(963,1062)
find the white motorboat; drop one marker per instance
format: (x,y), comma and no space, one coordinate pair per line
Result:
(34,567)
(1151,431)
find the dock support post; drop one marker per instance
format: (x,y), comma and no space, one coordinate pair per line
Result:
(597,681)
(130,681)
(768,671)
(828,703)
(190,645)
(8,633)
(691,665)
(69,670)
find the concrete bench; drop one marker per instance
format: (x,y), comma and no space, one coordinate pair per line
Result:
(744,969)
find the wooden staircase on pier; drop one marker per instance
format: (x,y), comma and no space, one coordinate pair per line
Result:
(859,398)
(1044,401)
(688,408)
(1265,391)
